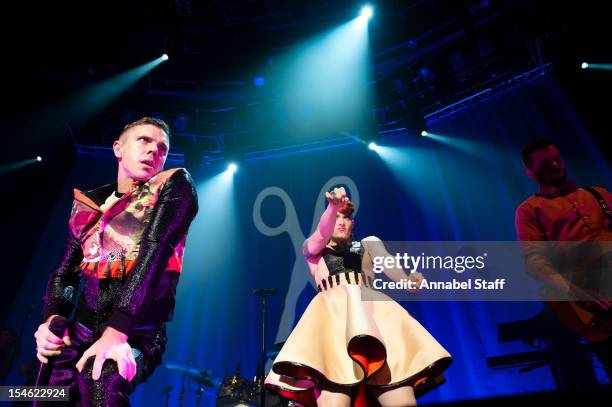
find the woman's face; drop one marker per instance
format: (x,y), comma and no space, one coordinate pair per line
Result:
(343,228)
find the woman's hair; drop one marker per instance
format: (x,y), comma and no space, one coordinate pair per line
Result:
(347,208)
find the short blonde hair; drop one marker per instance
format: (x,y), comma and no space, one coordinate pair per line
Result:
(159,123)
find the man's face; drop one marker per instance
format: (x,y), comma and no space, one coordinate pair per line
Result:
(343,227)
(547,167)
(142,151)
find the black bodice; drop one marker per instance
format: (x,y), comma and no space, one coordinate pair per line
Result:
(342,259)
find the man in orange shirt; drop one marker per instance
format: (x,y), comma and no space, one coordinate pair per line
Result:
(561,212)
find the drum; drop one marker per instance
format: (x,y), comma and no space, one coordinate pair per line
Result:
(272,399)
(235,391)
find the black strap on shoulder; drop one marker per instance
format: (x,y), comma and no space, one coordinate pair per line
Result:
(601,200)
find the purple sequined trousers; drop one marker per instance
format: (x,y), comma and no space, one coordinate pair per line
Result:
(148,345)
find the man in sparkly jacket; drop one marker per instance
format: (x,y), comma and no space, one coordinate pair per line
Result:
(124,256)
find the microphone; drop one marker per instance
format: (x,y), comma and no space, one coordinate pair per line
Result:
(57,326)
(264,292)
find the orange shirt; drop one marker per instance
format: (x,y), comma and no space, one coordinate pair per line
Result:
(573,215)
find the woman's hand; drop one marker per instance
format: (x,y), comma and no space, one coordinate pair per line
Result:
(337,196)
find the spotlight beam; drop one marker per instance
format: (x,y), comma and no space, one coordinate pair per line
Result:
(6,168)
(91,100)
(600,67)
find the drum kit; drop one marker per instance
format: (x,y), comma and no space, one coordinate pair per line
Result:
(230,391)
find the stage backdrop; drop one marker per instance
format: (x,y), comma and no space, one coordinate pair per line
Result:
(462,184)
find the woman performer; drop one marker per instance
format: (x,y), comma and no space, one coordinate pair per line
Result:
(346,351)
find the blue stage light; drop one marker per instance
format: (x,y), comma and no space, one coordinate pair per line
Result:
(259,81)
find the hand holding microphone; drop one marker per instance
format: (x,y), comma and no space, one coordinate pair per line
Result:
(51,337)
(337,196)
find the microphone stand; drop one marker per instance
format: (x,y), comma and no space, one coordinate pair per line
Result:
(182,393)
(166,393)
(263,293)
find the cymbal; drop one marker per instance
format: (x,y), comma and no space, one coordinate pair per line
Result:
(205,377)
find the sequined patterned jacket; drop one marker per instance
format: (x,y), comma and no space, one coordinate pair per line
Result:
(126,259)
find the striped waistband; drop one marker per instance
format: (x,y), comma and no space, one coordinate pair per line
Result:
(348,276)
